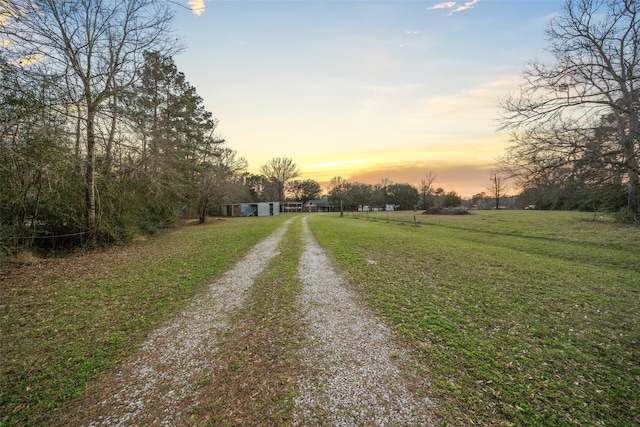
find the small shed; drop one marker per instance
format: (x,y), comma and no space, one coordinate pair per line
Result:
(251,209)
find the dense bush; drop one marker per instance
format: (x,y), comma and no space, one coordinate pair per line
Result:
(446,211)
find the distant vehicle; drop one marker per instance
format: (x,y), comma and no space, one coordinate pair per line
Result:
(530,207)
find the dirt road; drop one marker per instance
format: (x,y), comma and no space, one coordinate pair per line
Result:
(352,372)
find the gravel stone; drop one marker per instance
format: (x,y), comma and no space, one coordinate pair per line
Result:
(356,377)
(351,373)
(159,383)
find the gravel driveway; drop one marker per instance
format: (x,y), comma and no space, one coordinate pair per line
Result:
(357,378)
(353,373)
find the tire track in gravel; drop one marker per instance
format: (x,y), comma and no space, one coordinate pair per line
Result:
(351,375)
(159,384)
(355,376)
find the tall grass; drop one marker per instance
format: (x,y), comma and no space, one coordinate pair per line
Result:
(517,318)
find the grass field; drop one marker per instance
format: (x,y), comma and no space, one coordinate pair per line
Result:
(518,318)
(65,321)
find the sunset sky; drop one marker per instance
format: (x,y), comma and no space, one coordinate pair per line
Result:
(364,89)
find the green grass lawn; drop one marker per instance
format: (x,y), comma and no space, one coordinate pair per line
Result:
(65,321)
(518,318)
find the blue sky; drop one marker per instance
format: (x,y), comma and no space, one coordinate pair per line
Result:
(364,89)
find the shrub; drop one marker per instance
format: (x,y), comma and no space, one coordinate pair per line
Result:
(626,215)
(446,211)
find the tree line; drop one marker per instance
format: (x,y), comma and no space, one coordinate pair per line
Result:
(575,122)
(101,136)
(156,157)
(401,196)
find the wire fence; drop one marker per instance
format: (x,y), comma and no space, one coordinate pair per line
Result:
(406,217)
(12,243)
(415,217)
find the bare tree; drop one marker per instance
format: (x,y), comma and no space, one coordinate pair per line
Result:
(221,176)
(304,190)
(280,170)
(380,192)
(497,189)
(426,188)
(98,45)
(336,183)
(594,78)
(438,194)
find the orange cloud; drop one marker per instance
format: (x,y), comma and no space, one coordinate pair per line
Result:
(481,100)
(463,167)
(333,164)
(197,6)
(466,180)
(28,60)
(324,171)
(10,10)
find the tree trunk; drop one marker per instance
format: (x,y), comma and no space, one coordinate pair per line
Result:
(78,160)
(203,214)
(112,135)
(632,186)
(631,164)
(90,177)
